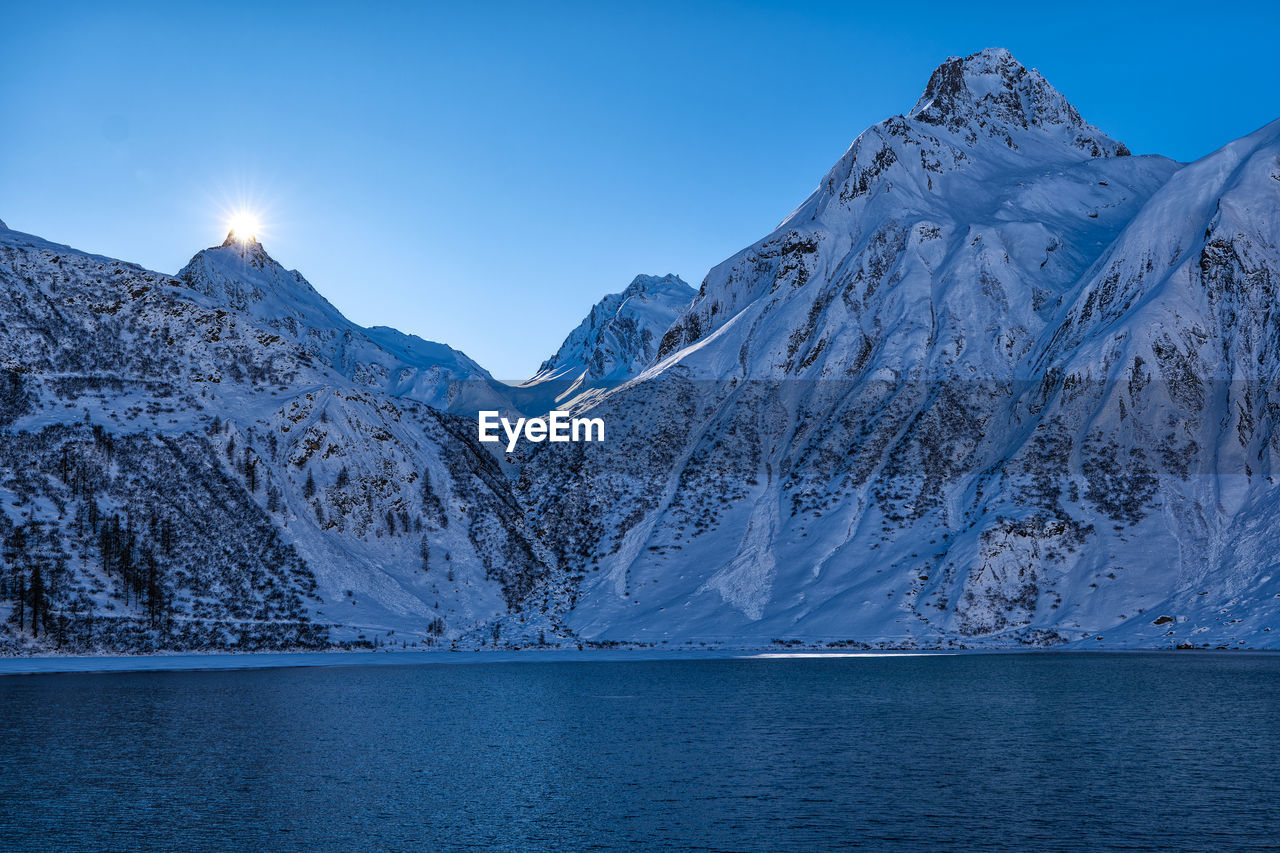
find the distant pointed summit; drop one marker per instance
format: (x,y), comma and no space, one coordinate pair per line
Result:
(622,332)
(669,283)
(616,340)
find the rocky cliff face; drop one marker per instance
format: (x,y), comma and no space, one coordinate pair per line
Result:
(995,382)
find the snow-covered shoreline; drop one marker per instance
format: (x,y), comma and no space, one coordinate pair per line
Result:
(219,661)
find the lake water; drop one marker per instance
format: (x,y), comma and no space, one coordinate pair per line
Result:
(971,752)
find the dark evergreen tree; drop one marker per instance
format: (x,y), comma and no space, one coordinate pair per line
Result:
(36,594)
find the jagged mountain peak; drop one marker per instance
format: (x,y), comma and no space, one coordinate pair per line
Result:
(3,227)
(617,339)
(247,249)
(622,331)
(916,187)
(655,284)
(984,115)
(993,92)
(242,273)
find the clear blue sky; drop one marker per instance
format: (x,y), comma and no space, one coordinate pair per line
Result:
(481,173)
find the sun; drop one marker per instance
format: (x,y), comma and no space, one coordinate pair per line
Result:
(243,225)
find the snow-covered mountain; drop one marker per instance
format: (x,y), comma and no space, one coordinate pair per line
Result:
(616,340)
(977,389)
(996,382)
(220,460)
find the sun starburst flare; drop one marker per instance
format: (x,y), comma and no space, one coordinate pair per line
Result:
(244,226)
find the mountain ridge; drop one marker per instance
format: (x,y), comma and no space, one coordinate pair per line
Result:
(245,277)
